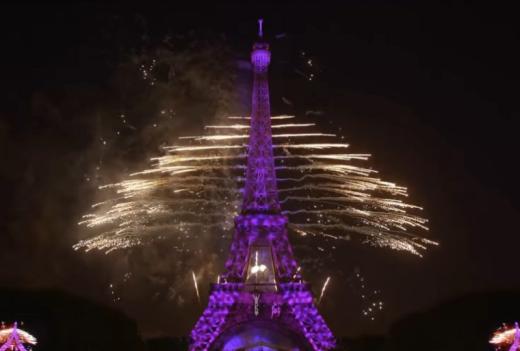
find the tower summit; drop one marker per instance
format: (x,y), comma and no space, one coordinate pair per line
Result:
(261,302)
(260,193)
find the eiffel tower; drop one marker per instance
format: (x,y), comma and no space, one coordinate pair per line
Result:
(261,302)
(13,338)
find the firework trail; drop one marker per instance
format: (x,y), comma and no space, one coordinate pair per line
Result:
(323,289)
(195,285)
(507,338)
(324,194)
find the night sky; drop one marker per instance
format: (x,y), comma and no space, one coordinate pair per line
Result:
(430,91)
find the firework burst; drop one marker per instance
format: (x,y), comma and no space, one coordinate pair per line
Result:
(196,186)
(506,338)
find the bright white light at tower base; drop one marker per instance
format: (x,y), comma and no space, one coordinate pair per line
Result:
(258,268)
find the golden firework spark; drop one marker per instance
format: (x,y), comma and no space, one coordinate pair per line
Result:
(324,191)
(323,289)
(196,285)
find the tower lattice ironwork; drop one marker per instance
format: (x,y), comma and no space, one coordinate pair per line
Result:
(15,339)
(261,287)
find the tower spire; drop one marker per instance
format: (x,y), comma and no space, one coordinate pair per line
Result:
(260,192)
(260,29)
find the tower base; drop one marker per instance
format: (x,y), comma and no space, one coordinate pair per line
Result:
(245,317)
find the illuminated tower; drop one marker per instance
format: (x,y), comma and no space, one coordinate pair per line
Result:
(12,339)
(261,302)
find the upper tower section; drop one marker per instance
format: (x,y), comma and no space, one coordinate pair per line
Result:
(260,191)
(260,56)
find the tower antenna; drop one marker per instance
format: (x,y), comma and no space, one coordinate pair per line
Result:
(260,29)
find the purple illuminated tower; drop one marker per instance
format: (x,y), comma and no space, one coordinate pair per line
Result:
(15,339)
(261,302)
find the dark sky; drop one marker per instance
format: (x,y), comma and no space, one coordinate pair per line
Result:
(429,90)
